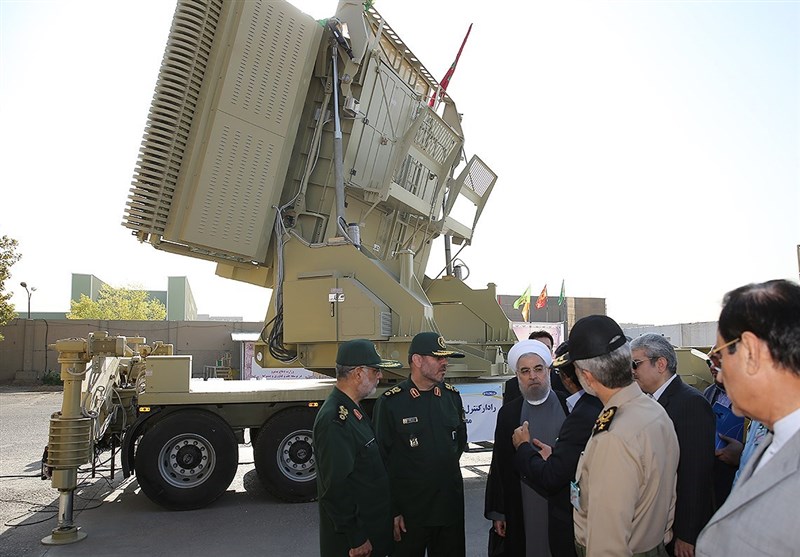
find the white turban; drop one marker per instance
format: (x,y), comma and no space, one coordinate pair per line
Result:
(529,347)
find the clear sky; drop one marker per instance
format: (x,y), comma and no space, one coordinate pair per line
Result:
(647,152)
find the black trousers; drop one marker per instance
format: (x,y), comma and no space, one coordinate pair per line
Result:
(440,541)
(561,536)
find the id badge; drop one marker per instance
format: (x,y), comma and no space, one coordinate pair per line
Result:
(575,495)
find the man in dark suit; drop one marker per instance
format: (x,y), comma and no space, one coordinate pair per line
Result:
(550,470)
(654,367)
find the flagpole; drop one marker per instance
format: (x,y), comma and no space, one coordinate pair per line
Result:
(446,80)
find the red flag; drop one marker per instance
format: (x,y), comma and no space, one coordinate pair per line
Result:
(541,301)
(446,80)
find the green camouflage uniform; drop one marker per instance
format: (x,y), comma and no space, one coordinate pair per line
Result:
(352,484)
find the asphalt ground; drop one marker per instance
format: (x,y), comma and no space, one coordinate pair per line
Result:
(120,521)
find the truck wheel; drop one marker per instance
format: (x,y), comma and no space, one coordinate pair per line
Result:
(186,460)
(284,455)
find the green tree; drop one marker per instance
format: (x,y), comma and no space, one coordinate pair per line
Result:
(118,303)
(8,256)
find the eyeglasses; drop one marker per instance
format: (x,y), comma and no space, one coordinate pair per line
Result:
(718,350)
(636,363)
(372,369)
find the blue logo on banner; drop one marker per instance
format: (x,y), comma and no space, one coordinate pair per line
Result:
(489,393)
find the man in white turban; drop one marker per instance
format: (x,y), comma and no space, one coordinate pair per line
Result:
(518,513)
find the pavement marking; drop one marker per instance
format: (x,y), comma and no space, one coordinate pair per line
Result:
(474,472)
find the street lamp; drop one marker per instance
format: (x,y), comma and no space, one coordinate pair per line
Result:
(31,291)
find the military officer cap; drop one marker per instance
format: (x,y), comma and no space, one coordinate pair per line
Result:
(590,337)
(432,344)
(362,352)
(567,368)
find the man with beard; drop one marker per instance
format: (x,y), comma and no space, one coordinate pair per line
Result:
(422,433)
(624,489)
(511,389)
(352,484)
(518,513)
(550,470)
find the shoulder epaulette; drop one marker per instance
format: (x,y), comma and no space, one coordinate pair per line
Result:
(604,420)
(393,391)
(449,387)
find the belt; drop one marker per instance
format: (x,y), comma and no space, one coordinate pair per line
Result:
(657,551)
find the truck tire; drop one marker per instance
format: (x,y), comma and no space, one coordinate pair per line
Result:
(186,460)
(284,455)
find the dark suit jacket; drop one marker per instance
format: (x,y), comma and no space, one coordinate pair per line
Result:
(551,477)
(503,493)
(695,426)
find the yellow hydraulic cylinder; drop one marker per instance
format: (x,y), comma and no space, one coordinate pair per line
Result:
(69,441)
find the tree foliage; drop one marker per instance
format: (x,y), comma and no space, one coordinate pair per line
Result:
(8,256)
(118,303)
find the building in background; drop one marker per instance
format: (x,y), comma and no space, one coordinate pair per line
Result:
(696,335)
(548,318)
(177,298)
(568,312)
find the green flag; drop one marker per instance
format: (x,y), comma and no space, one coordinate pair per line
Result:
(525,302)
(561,297)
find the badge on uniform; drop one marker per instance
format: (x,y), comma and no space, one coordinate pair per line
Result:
(414,392)
(411,420)
(342,413)
(437,391)
(575,495)
(357,414)
(604,420)
(413,441)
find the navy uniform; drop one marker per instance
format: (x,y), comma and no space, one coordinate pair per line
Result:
(352,483)
(422,434)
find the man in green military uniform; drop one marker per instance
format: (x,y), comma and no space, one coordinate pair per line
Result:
(352,484)
(422,433)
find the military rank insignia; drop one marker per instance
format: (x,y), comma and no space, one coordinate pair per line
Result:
(342,413)
(604,420)
(357,414)
(449,387)
(437,391)
(393,391)
(414,392)
(413,441)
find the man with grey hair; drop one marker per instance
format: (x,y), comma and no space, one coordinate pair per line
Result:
(518,513)
(355,514)
(655,366)
(624,489)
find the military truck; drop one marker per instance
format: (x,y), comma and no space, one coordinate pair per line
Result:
(319,159)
